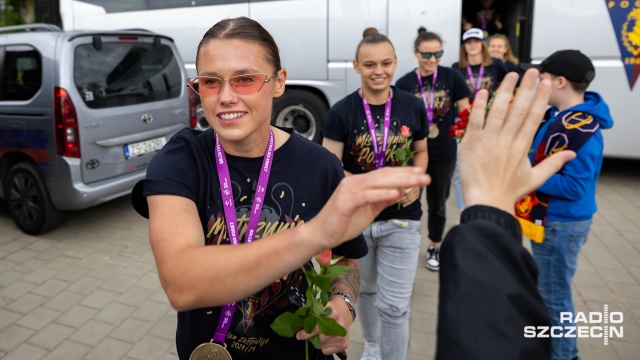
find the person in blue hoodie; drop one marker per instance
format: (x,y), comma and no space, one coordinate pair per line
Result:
(557,216)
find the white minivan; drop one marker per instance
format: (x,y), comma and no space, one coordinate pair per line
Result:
(317,40)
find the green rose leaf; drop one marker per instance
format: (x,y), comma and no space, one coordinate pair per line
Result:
(303,312)
(330,327)
(400,154)
(315,340)
(323,282)
(287,325)
(324,298)
(317,307)
(310,324)
(336,271)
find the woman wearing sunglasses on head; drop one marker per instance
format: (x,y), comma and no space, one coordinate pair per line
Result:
(442,91)
(364,130)
(236,210)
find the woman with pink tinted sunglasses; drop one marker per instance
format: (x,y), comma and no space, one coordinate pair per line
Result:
(236,210)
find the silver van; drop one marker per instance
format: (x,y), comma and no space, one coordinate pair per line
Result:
(81,115)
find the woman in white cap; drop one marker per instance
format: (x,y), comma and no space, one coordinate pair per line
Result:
(478,68)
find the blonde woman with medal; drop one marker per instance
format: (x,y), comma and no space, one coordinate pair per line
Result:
(443,91)
(236,210)
(364,130)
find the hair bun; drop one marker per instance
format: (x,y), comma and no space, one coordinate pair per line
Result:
(369,31)
(422,29)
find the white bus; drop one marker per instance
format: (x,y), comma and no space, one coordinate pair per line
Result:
(317,40)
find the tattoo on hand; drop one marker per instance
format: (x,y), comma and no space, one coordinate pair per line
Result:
(349,282)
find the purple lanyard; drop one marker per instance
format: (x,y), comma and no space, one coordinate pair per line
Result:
(429,105)
(483,20)
(475,87)
(378,153)
(230,216)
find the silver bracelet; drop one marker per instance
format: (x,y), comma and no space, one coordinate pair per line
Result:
(346,299)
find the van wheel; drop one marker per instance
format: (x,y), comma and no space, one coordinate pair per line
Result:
(302,111)
(28,200)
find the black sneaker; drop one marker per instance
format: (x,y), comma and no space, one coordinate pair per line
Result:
(433,258)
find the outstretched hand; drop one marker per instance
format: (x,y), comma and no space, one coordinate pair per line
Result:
(494,165)
(358,199)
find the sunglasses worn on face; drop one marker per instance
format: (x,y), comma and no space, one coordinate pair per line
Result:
(429,54)
(241,84)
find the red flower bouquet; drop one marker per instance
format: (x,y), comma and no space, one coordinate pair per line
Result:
(458,129)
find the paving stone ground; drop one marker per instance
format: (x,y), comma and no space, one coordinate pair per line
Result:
(90,290)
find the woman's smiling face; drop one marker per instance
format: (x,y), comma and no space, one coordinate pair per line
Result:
(235,117)
(376,64)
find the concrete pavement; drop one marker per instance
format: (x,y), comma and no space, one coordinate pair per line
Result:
(89,290)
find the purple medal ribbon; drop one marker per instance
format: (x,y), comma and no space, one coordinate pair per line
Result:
(483,20)
(476,87)
(428,105)
(230,216)
(378,154)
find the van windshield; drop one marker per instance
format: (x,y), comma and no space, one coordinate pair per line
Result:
(126,73)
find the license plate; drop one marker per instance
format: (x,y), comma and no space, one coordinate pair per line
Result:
(144,147)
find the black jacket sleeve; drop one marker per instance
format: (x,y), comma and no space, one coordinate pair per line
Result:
(488,291)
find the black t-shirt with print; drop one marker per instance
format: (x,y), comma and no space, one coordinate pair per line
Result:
(491,78)
(346,122)
(303,177)
(450,87)
(510,66)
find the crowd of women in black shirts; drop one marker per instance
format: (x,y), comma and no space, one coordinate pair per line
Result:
(374,115)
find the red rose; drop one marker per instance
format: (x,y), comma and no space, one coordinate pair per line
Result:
(405,130)
(464,114)
(325,257)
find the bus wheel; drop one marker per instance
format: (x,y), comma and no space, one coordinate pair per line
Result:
(302,111)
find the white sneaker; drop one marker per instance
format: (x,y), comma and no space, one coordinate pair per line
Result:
(433,258)
(371,351)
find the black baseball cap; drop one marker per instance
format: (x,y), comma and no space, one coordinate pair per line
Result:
(571,64)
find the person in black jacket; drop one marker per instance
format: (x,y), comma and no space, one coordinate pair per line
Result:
(489,281)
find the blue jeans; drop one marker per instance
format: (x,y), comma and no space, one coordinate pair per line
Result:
(387,273)
(557,259)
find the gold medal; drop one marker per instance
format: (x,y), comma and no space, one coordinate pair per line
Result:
(210,351)
(433,131)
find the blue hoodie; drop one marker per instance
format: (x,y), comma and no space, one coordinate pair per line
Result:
(573,188)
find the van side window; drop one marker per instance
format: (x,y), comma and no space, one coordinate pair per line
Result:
(21,73)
